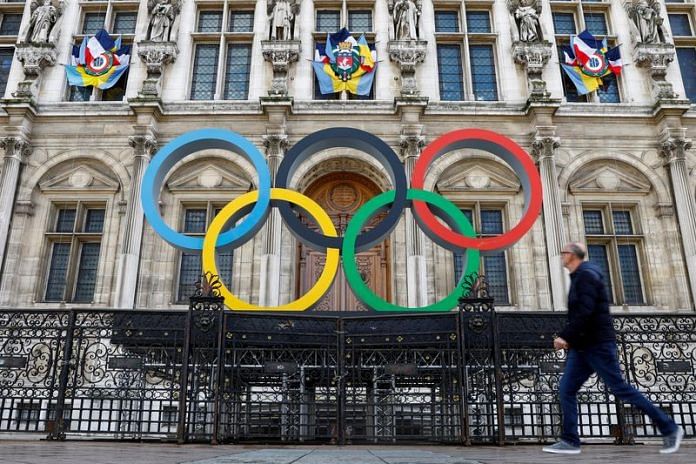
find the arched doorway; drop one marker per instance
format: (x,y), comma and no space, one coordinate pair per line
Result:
(341,194)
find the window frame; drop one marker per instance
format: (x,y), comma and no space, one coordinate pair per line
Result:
(320,37)
(611,240)
(210,207)
(682,41)
(223,39)
(113,7)
(3,14)
(579,9)
(77,239)
(476,206)
(689,22)
(465,39)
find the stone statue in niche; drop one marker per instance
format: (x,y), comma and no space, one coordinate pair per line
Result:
(646,21)
(526,14)
(405,14)
(163,17)
(281,14)
(44,23)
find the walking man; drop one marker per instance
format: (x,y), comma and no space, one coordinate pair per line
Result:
(590,340)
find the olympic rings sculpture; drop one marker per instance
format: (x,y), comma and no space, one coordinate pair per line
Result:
(247,213)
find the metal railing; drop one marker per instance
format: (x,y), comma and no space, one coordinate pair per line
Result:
(206,374)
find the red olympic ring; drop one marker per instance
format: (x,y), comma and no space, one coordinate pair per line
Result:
(498,145)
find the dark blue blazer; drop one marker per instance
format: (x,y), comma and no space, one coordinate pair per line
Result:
(589,321)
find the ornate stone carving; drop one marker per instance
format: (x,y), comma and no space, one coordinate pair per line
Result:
(411,145)
(155,55)
(34,58)
(656,58)
(646,22)
(143,145)
(408,54)
(44,23)
(281,15)
(533,56)
(275,144)
(544,145)
(525,20)
(280,54)
(405,14)
(164,15)
(674,145)
(37,44)
(15,147)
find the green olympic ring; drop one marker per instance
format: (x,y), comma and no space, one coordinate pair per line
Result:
(372,207)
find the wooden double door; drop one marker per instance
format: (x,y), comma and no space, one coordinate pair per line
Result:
(341,194)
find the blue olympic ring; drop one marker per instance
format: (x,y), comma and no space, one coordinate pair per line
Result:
(184,145)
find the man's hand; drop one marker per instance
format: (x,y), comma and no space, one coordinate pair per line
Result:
(560,344)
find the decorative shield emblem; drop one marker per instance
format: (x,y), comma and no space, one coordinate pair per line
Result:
(596,65)
(347,61)
(99,64)
(344,60)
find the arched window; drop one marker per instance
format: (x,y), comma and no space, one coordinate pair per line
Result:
(81,195)
(609,206)
(198,190)
(486,192)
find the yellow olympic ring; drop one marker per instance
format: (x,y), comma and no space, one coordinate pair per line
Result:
(313,209)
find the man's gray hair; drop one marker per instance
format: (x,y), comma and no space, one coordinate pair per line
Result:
(577,248)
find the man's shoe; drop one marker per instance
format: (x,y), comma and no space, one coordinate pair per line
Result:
(671,442)
(562,447)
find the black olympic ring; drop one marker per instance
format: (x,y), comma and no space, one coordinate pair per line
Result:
(348,138)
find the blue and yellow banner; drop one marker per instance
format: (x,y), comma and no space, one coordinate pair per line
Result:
(100,61)
(587,60)
(343,63)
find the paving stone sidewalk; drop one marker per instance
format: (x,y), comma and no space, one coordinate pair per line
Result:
(93,452)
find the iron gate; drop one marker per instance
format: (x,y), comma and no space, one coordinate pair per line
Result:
(472,376)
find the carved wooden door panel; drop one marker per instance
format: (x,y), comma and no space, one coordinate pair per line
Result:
(341,195)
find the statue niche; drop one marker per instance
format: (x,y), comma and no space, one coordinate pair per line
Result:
(525,17)
(281,15)
(44,23)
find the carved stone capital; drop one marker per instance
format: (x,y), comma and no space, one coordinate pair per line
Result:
(16,147)
(408,54)
(545,147)
(275,144)
(281,54)
(35,57)
(155,55)
(411,145)
(674,145)
(533,56)
(545,142)
(143,145)
(656,58)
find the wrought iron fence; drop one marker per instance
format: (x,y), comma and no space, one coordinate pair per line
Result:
(473,376)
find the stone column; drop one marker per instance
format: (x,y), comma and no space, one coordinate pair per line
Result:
(544,147)
(17,148)
(416,277)
(129,255)
(269,293)
(674,145)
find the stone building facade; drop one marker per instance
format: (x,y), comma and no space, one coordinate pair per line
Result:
(616,166)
